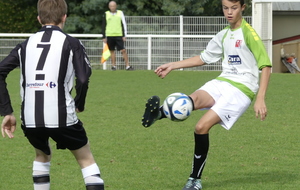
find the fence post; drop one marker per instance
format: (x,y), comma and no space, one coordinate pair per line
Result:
(149,51)
(181,38)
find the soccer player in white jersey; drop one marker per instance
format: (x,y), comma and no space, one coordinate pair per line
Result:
(49,61)
(229,95)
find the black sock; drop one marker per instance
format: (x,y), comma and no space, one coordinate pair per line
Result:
(200,154)
(162,112)
(192,102)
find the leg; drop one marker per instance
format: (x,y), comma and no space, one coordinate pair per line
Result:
(113,58)
(202,141)
(111,46)
(89,168)
(201,100)
(125,56)
(201,148)
(41,171)
(154,112)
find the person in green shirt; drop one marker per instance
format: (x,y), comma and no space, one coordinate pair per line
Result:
(114,31)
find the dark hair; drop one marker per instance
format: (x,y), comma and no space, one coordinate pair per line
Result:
(242,2)
(51,11)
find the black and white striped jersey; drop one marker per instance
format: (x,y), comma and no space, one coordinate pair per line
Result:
(49,61)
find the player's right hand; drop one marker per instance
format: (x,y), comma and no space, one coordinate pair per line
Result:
(8,126)
(163,70)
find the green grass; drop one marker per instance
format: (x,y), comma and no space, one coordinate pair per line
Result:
(253,155)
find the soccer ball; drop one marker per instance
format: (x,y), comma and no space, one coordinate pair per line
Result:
(177,106)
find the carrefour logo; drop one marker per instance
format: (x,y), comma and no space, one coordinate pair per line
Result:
(234,60)
(50,84)
(34,85)
(40,85)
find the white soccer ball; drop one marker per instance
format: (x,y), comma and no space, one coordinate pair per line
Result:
(177,106)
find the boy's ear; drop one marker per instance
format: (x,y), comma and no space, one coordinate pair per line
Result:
(38,18)
(64,18)
(243,7)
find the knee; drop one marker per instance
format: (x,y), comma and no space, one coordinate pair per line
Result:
(43,158)
(123,51)
(202,128)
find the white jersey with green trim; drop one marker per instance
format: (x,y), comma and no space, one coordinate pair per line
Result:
(243,55)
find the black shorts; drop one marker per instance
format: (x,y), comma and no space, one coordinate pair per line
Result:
(71,137)
(115,42)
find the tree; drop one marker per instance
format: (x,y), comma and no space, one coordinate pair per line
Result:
(214,8)
(18,16)
(85,16)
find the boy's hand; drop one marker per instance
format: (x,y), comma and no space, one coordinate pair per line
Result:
(8,126)
(260,108)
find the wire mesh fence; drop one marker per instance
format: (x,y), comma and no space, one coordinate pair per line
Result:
(170,38)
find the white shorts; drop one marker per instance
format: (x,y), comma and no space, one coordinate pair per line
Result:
(230,102)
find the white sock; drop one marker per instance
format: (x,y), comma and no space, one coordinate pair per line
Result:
(41,175)
(95,179)
(91,175)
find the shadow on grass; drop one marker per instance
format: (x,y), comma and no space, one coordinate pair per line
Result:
(259,180)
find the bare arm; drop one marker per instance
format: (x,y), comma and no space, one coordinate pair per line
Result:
(260,107)
(163,70)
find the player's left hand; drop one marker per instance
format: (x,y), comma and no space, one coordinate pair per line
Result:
(260,108)
(77,110)
(8,126)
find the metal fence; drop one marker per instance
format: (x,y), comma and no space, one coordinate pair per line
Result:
(151,41)
(175,25)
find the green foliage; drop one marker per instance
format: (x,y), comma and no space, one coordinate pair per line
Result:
(18,16)
(85,16)
(142,8)
(162,8)
(253,155)
(214,8)
(180,7)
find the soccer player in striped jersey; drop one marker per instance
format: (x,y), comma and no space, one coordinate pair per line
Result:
(49,62)
(229,95)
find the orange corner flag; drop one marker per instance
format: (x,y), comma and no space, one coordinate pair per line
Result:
(105,53)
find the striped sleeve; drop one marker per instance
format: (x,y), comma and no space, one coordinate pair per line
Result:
(257,47)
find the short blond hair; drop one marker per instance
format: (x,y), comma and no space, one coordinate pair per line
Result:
(51,11)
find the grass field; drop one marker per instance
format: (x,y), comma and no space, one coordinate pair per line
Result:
(253,155)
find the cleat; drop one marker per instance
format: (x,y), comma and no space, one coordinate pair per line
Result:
(192,184)
(152,112)
(130,68)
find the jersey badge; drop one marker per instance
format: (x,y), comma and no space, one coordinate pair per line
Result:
(51,85)
(238,44)
(234,60)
